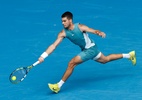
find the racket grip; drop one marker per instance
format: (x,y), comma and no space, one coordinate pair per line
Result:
(36,63)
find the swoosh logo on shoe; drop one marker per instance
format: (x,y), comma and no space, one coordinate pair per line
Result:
(132,58)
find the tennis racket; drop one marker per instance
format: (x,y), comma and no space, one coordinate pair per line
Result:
(19,74)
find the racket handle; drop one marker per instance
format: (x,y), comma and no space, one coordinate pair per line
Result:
(36,63)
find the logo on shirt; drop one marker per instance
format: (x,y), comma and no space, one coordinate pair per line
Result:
(72,35)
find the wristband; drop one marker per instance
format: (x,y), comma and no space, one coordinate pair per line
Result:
(44,55)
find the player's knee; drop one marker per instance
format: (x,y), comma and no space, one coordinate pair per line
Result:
(106,60)
(71,64)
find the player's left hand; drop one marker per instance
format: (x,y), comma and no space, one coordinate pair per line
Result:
(102,34)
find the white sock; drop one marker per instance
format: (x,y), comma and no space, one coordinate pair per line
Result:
(60,83)
(126,55)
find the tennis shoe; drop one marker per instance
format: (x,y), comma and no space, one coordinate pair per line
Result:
(132,57)
(54,87)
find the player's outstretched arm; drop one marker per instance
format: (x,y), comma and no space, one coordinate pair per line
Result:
(52,47)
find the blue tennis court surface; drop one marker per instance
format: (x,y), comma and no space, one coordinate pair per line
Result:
(28,27)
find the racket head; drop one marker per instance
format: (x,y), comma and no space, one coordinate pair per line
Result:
(19,74)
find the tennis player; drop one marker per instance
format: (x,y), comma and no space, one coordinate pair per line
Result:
(78,34)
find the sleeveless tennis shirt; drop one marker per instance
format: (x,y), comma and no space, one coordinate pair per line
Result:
(79,38)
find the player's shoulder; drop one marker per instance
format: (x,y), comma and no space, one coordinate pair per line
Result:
(82,27)
(80,24)
(62,33)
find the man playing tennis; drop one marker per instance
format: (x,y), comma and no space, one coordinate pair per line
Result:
(77,33)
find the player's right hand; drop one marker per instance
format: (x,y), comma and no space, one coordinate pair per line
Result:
(40,59)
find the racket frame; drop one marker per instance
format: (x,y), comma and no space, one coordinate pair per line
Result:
(27,69)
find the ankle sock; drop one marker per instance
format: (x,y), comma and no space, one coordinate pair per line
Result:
(126,55)
(60,83)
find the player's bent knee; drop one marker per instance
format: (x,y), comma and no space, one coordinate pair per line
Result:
(103,62)
(106,60)
(71,64)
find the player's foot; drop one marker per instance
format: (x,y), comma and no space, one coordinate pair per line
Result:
(54,87)
(132,57)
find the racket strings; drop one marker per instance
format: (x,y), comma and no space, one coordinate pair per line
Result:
(20,74)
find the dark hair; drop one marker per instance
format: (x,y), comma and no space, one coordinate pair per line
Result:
(67,14)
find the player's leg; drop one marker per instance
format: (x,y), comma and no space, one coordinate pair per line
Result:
(104,59)
(83,56)
(74,62)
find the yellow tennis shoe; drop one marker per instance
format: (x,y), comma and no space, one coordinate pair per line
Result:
(54,87)
(132,57)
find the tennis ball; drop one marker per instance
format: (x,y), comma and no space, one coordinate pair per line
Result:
(13,78)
